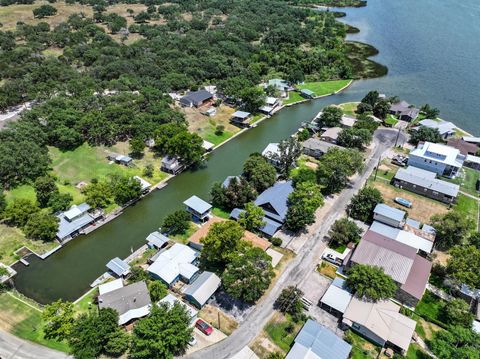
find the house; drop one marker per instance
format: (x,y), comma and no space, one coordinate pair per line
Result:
(269,228)
(274,200)
(157,240)
(316,148)
(399,261)
(472,162)
(270,104)
(404,111)
(200,291)
(175,263)
(145,185)
(347,121)
(409,115)
(465,148)
(389,215)
(241,118)
(120,159)
(399,107)
(171,300)
(331,135)
(131,302)
(443,160)
(271,152)
(196,98)
(471,139)
(337,297)
(381,322)
(73,221)
(118,267)
(207,146)
(199,209)
(171,164)
(416,238)
(280,85)
(426,184)
(308,94)
(110,286)
(446,129)
(314,341)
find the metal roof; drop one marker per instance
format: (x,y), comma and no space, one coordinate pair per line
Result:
(337,295)
(424,179)
(271,149)
(170,299)
(443,127)
(241,114)
(316,144)
(66,227)
(118,266)
(269,228)
(413,223)
(203,287)
(274,200)
(145,185)
(110,286)
(417,279)
(438,153)
(227,180)
(471,139)
(197,204)
(389,212)
(307,92)
(196,96)
(157,239)
(316,341)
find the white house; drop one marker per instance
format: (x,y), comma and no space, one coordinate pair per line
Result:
(443,160)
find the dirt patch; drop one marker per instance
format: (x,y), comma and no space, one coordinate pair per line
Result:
(197,122)
(428,328)
(262,346)
(218,319)
(440,257)
(311,165)
(422,209)
(327,270)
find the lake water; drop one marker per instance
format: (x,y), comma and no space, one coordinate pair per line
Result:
(432,51)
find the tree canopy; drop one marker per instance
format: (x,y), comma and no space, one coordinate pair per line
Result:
(252,217)
(456,343)
(344,231)
(370,282)
(451,228)
(177,222)
(331,116)
(425,134)
(463,264)
(288,152)
(259,172)
(363,203)
(302,204)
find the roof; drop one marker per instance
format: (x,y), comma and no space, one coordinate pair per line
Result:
(348,121)
(443,127)
(157,239)
(241,114)
(383,319)
(76,211)
(279,83)
(266,109)
(171,162)
(418,278)
(406,237)
(439,153)
(175,261)
(471,139)
(389,212)
(197,204)
(110,286)
(197,96)
(315,341)
(132,301)
(276,256)
(275,198)
(472,159)
(332,133)
(227,180)
(123,158)
(400,106)
(145,185)
(316,144)
(207,145)
(413,223)
(272,148)
(170,299)
(270,227)
(67,227)
(307,92)
(411,112)
(337,295)
(426,179)
(245,353)
(203,287)
(271,101)
(118,266)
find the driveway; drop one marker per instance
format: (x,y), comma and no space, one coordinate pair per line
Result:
(204,341)
(303,264)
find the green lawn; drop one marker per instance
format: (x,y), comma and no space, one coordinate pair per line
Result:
(324,87)
(220,213)
(361,347)
(182,238)
(468,181)
(391,121)
(431,307)
(25,322)
(293,97)
(468,206)
(349,108)
(282,331)
(210,136)
(415,352)
(86,303)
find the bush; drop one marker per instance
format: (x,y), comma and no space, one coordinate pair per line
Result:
(276,241)
(219,130)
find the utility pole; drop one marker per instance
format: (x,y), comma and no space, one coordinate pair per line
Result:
(376,169)
(398,135)
(218,314)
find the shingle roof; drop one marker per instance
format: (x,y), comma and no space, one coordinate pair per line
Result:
(203,287)
(424,179)
(118,266)
(316,144)
(197,204)
(464,147)
(197,96)
(320,341)
(332,133)
(389,212)
(275,197)
(399,106)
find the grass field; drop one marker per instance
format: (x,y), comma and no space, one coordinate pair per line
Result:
(468,206)
(324,87)
(349,108)
(11,239)
(431,307)
(86,303)
(327,270)
(361,348)
(467,181)
(220,213)
(24,321)
(293,97)
(391,121)
(182,238)
(282,330)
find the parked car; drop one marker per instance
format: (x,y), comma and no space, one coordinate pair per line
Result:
(400,160)
(192,341)
(403,202)
(204,327)
(329,257)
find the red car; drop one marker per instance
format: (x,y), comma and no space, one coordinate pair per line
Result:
(204,327)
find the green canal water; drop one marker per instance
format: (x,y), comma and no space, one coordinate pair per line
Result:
(432,51)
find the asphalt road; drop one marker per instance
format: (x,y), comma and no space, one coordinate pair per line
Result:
(298,269)
(301,266)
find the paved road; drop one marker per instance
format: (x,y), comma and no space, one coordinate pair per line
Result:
(12,347)
(300,267)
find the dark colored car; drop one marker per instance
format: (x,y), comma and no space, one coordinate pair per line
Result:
(204,327)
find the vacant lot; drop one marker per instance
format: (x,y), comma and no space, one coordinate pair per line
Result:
(321,88)
(218,319)
(423,208)
(282,330)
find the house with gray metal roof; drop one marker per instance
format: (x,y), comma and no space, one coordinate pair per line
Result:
(389,215)
(425,183)
(131,302)
(199,209)
(314,341)
(202,289)
(316,148)
(274,200)
(73,221)
(337,297)
(240,118)
(157,240)
(445,128)
(172,164)
(196,98)
(308,94)
(119,267)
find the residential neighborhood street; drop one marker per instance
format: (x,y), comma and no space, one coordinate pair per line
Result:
(12,347)
(302,265)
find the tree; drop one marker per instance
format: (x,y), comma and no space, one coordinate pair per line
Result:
(354,138)
(303,174)
(148,171)
(344,231)
(370,282)
(331,116)
(367,123)
(371,98)
(44,11)
(276,355)
(220,243)
(59,201)
(253,98)
(138,274)
(165,332)
(363,203)
(238,192)
(44,187)
(457,312)
(248,275)
(58,318)
(3,202)
(125,189)
(456,343)
(425,134)
(430,112)
(98,194)
(177,222)
(335,167)
(288,152)
(157,290)
(19,212)
(259,172)
(252,217)
(381,109)
(290,301)
(137,146)
(302,204)
(142,17)
(463,264)
(364,108)
(451,228)
(42,226)
(217,193)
